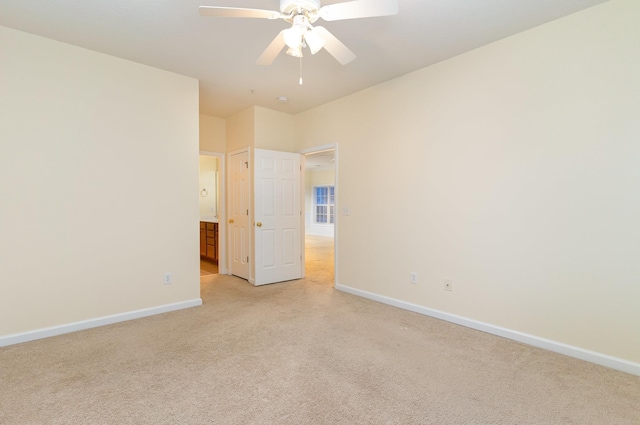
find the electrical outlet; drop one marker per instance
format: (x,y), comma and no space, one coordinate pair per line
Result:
(413,277)
(448,285)
(168,278)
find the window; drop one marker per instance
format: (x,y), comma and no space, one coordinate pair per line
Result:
(323,203)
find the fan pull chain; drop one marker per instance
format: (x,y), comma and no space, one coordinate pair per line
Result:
(300,70)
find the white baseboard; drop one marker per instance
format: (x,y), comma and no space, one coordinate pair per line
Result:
(558,347)
(94,323)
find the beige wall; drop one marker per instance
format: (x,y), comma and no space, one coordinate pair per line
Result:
(261,128)
(99,178)
(240,130)
(273,130)
(213,134)
(512,170)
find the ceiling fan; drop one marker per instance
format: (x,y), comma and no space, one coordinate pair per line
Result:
(301,14)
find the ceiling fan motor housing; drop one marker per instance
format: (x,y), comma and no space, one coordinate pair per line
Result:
(288,6)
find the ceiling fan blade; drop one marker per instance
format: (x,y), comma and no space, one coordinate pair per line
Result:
(334,46)
(358,9)
(236,12)
(272,50)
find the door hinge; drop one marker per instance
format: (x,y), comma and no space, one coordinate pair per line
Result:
(247,259)
(246,164)
(247,212)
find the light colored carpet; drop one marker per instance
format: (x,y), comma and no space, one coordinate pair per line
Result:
(301,352)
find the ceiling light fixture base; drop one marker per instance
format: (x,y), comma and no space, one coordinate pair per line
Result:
(288,6)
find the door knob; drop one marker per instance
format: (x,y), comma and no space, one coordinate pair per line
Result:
(230,220)
(259,224)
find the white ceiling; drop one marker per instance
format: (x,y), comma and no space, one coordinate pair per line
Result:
(221,52)
(323,160)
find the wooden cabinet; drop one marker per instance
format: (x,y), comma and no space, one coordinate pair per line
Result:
(203,239)
(209,240)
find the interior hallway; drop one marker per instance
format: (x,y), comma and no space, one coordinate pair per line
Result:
(319,259)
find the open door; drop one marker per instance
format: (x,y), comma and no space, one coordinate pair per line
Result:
(239,206)
(278,216)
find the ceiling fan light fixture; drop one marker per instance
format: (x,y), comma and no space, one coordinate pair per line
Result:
(293,36)
(295,52)
(314,41)
(301,14)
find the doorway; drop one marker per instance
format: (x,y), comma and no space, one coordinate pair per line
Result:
(321,211)
(211,196)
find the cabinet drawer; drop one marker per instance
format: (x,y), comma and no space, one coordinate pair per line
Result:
(203,225)
(212,226)
(203,243)
(211,234)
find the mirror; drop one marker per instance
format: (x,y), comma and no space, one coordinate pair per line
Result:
(209,169)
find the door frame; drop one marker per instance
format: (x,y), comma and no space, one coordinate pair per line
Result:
(336,224)
(222,211)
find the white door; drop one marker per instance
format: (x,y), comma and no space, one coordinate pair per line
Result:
(278,217)
(238,219)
